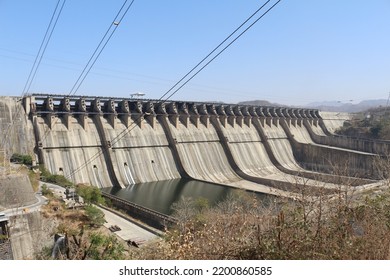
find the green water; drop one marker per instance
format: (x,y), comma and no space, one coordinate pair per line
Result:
(160,196)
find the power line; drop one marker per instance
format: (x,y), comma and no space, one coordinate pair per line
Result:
(125,131)
(219,53)
(45,41)
(41,52)
(207,56)
(133,125)
(102,44)
(97,52)
(115,140)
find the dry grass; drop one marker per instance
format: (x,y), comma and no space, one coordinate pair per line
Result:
(83,241)
(328,229)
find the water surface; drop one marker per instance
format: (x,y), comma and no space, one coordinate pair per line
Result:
(160,196)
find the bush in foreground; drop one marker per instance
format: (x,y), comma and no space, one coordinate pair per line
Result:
(328,228)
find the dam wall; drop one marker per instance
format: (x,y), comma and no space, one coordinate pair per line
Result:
(381,147)
(300,133)
(201,153)
(16,131)
(337,161)
(323,158)
(103,149)
(117,142)
(314,128)
(139,147)
(72,148)
(334,120)
(331,121)
(249,154)
(280,145)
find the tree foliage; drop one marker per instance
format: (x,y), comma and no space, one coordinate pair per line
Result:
(90,194)
(95,216)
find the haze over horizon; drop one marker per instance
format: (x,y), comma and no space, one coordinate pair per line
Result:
(299,53)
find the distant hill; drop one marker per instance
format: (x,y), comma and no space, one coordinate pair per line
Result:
(336,106)
(330,106)
(260,103)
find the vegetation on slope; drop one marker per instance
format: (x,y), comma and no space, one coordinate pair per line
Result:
(85,237)
(21,159)
(342,226)
(244,229)
(57,179)
(373,124)
(90,194)
(81,228)
(345,225)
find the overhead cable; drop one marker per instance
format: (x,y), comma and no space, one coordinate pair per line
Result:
(218,54)
(133,125)
(38,58)
(102,44)
(98,50)
(44,44)
(208,62)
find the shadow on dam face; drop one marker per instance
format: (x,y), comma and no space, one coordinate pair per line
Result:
(161,196)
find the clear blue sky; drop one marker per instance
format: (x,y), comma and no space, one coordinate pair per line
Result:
(302,51)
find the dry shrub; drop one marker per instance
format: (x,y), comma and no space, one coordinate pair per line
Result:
(81,241)
(243,228)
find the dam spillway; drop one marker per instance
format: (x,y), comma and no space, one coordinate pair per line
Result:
(108,142)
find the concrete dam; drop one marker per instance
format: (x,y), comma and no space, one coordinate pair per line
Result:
(108,142)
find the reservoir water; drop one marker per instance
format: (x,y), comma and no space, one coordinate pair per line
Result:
(160,196)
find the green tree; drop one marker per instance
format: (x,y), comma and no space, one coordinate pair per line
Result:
(90,194)
(94,215)
(102,247)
